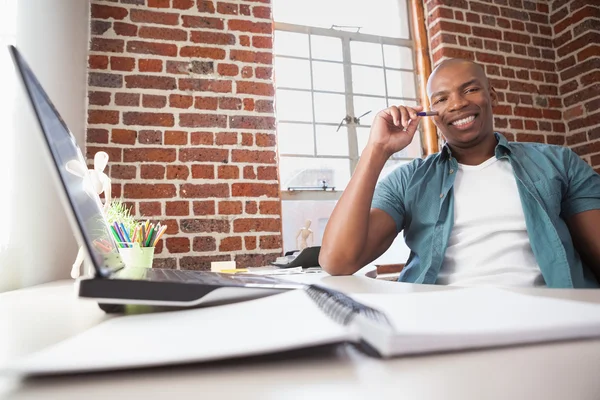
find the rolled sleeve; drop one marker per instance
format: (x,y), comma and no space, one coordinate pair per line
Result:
(583,193)
(389,197)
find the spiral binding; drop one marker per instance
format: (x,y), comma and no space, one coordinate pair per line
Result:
(342,308)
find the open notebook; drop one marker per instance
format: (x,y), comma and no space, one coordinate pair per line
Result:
(392,324)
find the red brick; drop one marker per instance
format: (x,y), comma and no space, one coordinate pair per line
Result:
(528,112)
(189,190)
(123,136)
(206,6)
(176,138)
(248,104)
(148,136)
(97,62)
(270,242)
(148,119)
(190,21)
(99,98)
(250,122)
(122,171)
(150,208)
(249,26)
(201,263)
(159,3)
(205,85)
(516,37)
(555,139)
(108,12)
(247,139)
(250,242)
(150,82)
(206,103)
(103,117)
(530,125)
(230,207)
(254,156)
(114,155)
(158,154)
(227,8)
(202,120)
(230,103)
(247,72)
(528,137)
(245,40)
(490,58)
(257,225)
(183,4)
(262,42)
(267,173)
(266,140)
(203,154)
(481,8)
(107,45)
(149,32)
(204,207)
(95,135)
(157,49)
(127,99)
(149,191)
(212,38)
(487,33)
(228,172)
(204,243)
(154,101)
(590,51)
(178,244)
(244,9)
(148,65)
(254,57)
(180,101)
(199,138)
(249,172)
(251,207)
(261,12)
(177,208)
(263,72)
(177,172)
(230,243)
(257,88)
(228,69)
(574,18)
(254,190)
(124,29)
(153,17)
(226,138)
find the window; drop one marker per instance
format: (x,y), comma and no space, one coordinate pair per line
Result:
(334,70)
(8,18)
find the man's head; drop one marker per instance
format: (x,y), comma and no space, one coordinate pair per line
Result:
(461,94)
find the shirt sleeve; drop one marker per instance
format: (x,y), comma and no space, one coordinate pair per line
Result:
(389,195)
(583,192)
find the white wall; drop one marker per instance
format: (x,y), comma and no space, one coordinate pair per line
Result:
(53,37)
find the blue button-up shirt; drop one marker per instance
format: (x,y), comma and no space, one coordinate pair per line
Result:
(553,182)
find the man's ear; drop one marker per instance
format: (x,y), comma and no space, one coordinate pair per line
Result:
(493,96)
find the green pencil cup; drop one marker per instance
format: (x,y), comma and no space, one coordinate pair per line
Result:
(137,257)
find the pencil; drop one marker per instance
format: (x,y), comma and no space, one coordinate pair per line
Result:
(162,230)
(427,113)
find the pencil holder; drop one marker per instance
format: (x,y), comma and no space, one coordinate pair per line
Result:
(137,257)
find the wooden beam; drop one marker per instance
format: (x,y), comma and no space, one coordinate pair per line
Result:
(429,137)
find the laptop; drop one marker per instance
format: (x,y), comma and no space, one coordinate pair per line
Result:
(113,285)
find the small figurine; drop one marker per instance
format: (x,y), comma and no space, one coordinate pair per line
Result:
(305,233)
(100,184)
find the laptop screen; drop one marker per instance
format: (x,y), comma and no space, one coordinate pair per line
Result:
(81,197)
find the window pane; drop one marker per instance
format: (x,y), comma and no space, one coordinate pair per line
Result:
(378,17)
(398,57)
(401,102)
(368,80)
(328,76)
(401,84)
(303,171)
(362,136)
(330,142)
(290,44)
(413,150)
(326,48)
(295,213)
(295,138)
(363,104)
(366,53)
(292,105)
(292,73)
(330,107)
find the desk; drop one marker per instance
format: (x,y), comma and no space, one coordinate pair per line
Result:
(43,315)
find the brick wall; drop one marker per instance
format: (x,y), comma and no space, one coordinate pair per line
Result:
(181,98)
(576,29)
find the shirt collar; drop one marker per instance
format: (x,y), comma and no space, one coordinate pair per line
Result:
(502,148)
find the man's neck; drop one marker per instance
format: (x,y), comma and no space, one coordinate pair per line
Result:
(476,154)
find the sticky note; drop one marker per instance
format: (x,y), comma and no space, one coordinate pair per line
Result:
(217,266)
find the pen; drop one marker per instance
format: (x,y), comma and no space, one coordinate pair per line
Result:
(427,113)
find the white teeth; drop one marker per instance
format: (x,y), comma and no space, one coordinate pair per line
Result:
(464,121)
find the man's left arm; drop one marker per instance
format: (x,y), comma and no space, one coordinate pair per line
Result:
(581,210)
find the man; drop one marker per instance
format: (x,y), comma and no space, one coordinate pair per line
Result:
(482,211)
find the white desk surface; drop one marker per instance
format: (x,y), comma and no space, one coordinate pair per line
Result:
(31,319)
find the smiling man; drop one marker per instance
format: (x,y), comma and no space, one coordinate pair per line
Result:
(483,211)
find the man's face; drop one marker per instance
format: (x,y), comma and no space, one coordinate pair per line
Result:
(460,93)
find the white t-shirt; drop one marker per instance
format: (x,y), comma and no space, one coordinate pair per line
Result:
(489,244)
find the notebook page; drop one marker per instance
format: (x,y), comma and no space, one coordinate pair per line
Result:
(478,317)
(271,324)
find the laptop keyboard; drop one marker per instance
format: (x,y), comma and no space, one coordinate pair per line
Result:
(194,277)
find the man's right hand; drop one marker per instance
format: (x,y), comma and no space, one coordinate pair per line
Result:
(394,128)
